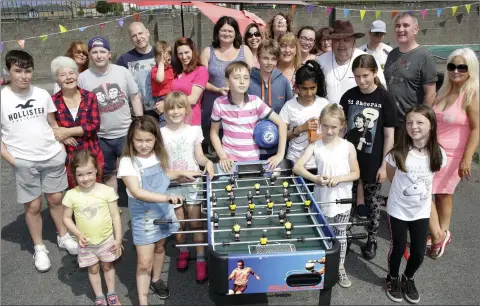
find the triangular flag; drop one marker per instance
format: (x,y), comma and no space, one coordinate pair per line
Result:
(274,6)
(442,24)
(102,25)
(345,12)
(62,28)
(394,14)
(439,12)
(377,14)
(293,8)
(136,16)
(362,14)
(329,10)
(454,10)
(467,6)
(82,29)
(459,18)
(150,18)
(120,22)
(43,37)
(21,43)
(1,46)
(310,8)
(424,31)
(424,13)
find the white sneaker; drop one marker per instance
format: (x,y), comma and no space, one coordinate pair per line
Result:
(42,262)
(68,243)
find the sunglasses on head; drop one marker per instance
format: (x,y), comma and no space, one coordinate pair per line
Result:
(462,68)
(256,34)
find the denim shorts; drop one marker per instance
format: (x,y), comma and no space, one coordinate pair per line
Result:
(112,150)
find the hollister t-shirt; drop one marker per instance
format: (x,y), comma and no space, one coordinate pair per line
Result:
(367,116)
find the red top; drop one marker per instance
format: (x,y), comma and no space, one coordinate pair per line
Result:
(164,88)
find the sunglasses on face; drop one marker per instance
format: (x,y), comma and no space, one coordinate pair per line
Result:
(80,52)
(256,34)
(462,68)
(378,34)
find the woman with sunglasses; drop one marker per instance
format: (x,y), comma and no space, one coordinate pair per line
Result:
(252,38)
(306,37)
(322,41)
(456,109)
(78,51)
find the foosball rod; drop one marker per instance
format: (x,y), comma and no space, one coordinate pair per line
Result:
(255,196)
(173,184)
(340,201)
(249,187)
(259,206)
(301,239)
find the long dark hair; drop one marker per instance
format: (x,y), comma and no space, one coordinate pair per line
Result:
(311,71)
(367,61)
(177,63)
(237,41)
(309,28)
(404,143)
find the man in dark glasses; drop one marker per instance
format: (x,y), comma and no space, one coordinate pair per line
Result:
(410,69)
(375,46)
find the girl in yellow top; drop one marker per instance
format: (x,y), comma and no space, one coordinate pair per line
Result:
(98,227)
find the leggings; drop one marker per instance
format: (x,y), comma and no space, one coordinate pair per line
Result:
(371,191)
(398,239)
(341,230)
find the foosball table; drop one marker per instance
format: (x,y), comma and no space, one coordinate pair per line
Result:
(266,233)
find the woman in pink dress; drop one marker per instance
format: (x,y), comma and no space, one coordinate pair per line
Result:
(456,108)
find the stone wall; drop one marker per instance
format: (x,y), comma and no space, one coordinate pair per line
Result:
(169,28)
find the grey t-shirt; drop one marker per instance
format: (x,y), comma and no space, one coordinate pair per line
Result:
(112,90)
(406,73)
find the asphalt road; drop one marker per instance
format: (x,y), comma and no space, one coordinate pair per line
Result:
(450,280)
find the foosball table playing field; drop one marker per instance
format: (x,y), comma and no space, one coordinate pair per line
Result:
(266,233)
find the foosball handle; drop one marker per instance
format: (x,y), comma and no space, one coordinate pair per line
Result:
(162,221)
(361,223)
(344,201)
(358,236)
(173,184)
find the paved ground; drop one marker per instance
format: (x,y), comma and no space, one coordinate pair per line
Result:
(451,280)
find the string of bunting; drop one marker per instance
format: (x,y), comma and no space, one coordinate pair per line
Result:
(21,42)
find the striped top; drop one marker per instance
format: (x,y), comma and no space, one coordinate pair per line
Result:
(238,123)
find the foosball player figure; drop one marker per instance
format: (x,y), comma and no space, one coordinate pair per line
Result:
(270,205)
(213,199)
(236,231)
(272,180)
(228,189)
(251,206)
(232,206)
(257,188)
(250,197)
(249,217)
(282,216)
(306,205)
(288,205)
(288,228)
(215,220)
(285,184)
(268,196)
(286,195)
(263,240)
(231,181)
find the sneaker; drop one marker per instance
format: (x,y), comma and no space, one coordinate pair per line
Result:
(343,280)
(68,243)
(201,271)
(370,250)
(362,212)
(112,299)
(409,290)
(160,289)
(182,261)
(437,249)
(42,262)
(100,301)
(394,289)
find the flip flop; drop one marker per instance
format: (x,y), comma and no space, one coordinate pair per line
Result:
(438,249)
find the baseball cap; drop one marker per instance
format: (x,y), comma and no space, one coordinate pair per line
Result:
(378,26)
(98,42)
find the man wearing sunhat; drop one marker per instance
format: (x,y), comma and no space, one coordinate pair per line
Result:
(376,47)
(337,64)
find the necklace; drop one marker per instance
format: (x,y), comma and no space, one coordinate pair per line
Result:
(346,70)
(419,149)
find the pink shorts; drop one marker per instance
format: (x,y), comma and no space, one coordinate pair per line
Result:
(90,255)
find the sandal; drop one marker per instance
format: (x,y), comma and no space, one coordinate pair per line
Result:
(438,249)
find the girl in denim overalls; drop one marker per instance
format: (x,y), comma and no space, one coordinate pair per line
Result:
(144,169)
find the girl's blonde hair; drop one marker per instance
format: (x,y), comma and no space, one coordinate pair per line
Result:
(146,124)
(290,39)
(177,99)
(82,158)
(471,86)
(334,110)
(161,47)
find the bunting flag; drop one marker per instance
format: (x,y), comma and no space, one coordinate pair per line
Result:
(459,18)
(424,31)
(467,7)
(345,12)
(274,6)
(82,29)
(62,29)
(362,14)
(1,46)
(394,14)
(442,24)
(21,43)
(439,12)
(329,11)
(454,10)
(136,16)
(44,37)
(120,22)
(424,13)
(310,8)
(377,14)
(150,18)
(294,6)
(102,25)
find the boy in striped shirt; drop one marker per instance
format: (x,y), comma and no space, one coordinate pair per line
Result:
(238,113)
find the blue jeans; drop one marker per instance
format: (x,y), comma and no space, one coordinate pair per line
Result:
(112,150)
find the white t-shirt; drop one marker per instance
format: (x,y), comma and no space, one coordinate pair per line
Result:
(180,146)
(340,78)
(410,195)
(126,167)
(25,129)
(380,54)
(294,114)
